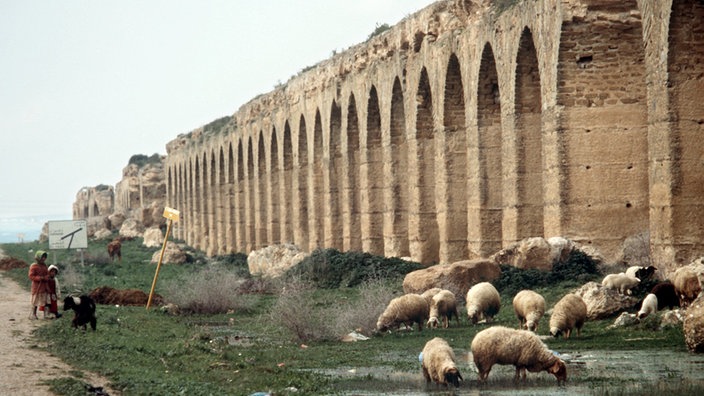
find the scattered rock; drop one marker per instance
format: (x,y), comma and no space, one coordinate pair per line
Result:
(602,302)
(457,277)
(272,261)
(693,326)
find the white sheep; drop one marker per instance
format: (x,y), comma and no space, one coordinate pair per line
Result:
(483,301)
(438,362)
(529,307)
(406,309)
(521,348)
(687,285)
(621,282)
(428,294)
(442,306)
(569,313)
(649,305)
(632,270)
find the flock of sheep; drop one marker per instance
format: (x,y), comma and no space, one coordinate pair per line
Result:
(521,348)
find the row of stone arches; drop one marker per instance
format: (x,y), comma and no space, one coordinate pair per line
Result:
(446,160)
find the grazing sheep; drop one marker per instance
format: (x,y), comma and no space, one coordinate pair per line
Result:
(521,348)
(428,294)
(442,306)
(406,309)
(529,307)
(648,306)
(483,301)
(666,295)
(438,362)
(621,282)
(569,313)
(687,286)
(642,273)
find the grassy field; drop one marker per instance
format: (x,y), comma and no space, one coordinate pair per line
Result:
(256,346)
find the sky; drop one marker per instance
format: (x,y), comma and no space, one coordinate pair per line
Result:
(85,85)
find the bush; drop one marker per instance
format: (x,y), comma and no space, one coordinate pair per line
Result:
(330,268)
(210,291)
(300,312)
(578,267)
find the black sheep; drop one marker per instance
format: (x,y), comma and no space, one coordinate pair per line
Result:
(667,297)
(84,311)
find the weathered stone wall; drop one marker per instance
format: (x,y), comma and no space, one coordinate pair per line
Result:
(467,127)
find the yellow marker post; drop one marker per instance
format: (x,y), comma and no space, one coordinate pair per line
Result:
(172,215)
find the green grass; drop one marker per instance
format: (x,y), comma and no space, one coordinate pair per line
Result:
(149,352)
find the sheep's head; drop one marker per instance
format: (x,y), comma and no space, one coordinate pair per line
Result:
(473,314)
(453,376)
(559,370)
(555,331)
(433,322)
(531,325)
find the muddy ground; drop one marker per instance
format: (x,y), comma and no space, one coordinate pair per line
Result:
(25,368)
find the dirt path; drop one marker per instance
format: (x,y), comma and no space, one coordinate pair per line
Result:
(22,367)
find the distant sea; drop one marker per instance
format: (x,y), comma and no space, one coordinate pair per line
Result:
(30,227)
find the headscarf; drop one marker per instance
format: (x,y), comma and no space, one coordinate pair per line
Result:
(39,254)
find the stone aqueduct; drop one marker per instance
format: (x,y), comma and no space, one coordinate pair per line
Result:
(464,128)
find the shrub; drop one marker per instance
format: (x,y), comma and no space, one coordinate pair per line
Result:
(301,313)
(210,291)
(362,313)
(330,268)
(578,267)
(295,313)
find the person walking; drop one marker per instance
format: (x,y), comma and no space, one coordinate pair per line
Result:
(39,275)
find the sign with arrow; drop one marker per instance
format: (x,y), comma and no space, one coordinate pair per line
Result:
(68,234)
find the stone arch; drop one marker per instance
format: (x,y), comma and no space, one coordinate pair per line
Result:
(262,202)
(221,203)
(605,106)
(685,68)
(372,219)
(251,197)
(197,200)
(302,168)
(316,201)
(336,177)
(396,242)
(455,164)
(425,246)
(241,199)
(275,185)
(354,241)
(490,155)
(231,202)
(211,194)
(288,197)
(528,110)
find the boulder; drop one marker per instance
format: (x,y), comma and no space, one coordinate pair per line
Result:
(457,277)
(671,318)
(131,228)
(530,253)
(693,326)
(272,261)
(602,302)
(115,221)
(560,249)
(172,254)
(625,319)
(103,233)
(153,237)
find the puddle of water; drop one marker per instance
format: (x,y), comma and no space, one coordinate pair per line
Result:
(595,372)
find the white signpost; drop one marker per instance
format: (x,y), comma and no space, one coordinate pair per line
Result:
(68,234)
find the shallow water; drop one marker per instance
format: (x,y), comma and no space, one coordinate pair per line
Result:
(594,372)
